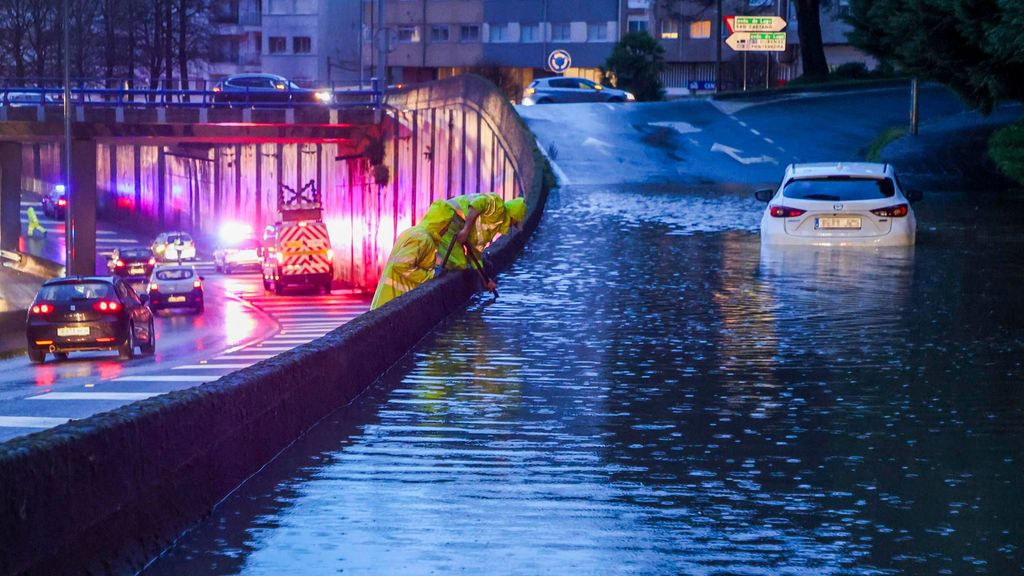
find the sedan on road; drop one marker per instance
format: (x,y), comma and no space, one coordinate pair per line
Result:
(131,262)
(568,89)
(80,313)
(839,204)
(55,202)
(174,246)
(176,286)
(265,89)
(243,254)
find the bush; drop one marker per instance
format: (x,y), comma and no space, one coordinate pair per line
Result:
(635,64)
(1006,147)
(852,70)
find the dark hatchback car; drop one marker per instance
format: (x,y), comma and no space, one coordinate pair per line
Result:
(264,89)
(131,262)
(82,313)
(55,202)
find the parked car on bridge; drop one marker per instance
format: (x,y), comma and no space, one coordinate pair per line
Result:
(265,89)
(55,202)
(79,313)
(176,286)
(568,89)
(839,204)
(131,262)
(23,99)
(174,246)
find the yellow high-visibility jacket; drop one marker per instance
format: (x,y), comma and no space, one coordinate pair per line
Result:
(495,217)
(411,262)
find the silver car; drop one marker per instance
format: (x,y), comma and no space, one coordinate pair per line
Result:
(569,89)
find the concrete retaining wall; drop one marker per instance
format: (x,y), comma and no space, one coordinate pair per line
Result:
(104,494)
(12,331)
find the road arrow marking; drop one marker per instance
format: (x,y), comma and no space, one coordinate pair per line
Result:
(734,153)
(600,145)
(681,127)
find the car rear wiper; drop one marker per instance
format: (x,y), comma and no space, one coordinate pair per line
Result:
(821,197)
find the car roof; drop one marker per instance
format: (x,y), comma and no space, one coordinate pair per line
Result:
(79,279)
(253,75)
(825,169)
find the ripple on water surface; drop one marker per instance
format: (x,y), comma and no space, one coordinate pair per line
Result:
(667,398)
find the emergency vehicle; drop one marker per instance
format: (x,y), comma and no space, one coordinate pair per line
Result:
(296,248)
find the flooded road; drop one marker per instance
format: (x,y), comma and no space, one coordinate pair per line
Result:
(654,394)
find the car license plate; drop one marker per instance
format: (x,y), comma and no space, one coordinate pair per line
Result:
(176,299)
(73,331)
(837,222)
(138,270)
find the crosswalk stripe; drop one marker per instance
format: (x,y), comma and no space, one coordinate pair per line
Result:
(175,378)
(95,396)
(211,366)
(30,422)
(245,356)
(273,348)
(294,342)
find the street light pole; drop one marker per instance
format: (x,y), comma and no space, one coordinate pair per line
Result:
(69,188)
(718,49)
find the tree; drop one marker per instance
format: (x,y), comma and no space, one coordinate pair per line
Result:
(812,52)
(635,64)
(972,46)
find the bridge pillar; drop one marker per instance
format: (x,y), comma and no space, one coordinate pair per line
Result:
(82,208)
(10,195)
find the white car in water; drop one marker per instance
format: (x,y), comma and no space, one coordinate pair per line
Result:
(839,204)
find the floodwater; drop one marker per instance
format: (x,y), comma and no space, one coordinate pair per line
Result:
(654,394)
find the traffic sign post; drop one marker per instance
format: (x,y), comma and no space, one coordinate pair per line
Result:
(559,61)
(756,34)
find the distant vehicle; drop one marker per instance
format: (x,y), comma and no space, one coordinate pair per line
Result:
(560,89)
(176,286)
(55,202)
(855,204)
(244,254)
(81,313)
(265,88)
(300,256)
(131,262)
(25,99)
(174,246)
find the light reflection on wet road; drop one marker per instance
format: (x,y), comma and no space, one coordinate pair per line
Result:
(691,406)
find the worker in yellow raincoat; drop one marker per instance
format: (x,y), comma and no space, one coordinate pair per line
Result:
(33,221)
(476,220)
(412,259)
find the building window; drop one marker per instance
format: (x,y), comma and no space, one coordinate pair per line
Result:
(439,33)
(302,45)
(597,32)
(561,32)
(700,29)
(844,8)
(277,45)
(469,33)
(407,34)
(669,29)
(498,32)
(636,25)
(530,33)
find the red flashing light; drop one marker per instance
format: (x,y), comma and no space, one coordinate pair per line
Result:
(107,306)
(785,212)
(42,309)
(897,211)
(62,202)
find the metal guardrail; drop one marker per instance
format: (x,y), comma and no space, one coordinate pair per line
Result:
(15,96)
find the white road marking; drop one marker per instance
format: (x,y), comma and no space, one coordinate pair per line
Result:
(734,153)
(293,342)
(30,422)
(95,395)
(272,349)
(176,378)
(211,367)
(756,133)
(245,357)
(742,123)
(600,145)
(681,127)
(769,140)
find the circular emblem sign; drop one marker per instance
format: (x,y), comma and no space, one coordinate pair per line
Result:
(559,60)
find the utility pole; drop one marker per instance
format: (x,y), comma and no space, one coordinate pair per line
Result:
(69,188)
(718,48)
(382,46)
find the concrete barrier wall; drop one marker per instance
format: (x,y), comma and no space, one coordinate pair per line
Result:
(105,494)
(12,331)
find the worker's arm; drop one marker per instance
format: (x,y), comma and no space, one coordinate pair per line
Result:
(463,234)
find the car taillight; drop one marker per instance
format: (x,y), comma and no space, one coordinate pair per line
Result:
(197,284)
(216,88)
(42,309)
(785,212)
(120,264)
(154,287)
(62,202)
(152,261)
(107,306)
(897,211)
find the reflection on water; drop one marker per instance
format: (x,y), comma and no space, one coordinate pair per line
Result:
(645,401)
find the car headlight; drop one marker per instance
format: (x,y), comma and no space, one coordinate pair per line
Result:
(324,96)
(630,97)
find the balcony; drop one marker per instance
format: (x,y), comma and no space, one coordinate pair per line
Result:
(251,18)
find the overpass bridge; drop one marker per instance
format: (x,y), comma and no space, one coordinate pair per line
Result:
(177,159)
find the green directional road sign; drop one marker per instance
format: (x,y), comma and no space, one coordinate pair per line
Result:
(757,41)
(754,23)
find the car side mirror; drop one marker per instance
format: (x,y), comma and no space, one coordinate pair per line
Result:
(764,194)
(914,195)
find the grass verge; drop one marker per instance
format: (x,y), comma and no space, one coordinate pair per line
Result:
(1006,147)
(874,150)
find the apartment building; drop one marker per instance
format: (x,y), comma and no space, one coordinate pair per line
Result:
(238,37)
(313,42)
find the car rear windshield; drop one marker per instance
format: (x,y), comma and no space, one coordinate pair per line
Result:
(76,291)
(174,274)
(842,189)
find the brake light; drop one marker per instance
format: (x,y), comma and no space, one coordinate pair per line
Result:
(785,212)
(120,264)
(154,287)
(216,88)
(107,306)
(42,309)
(197,284)
(62,202)
(152,261)
(897,211)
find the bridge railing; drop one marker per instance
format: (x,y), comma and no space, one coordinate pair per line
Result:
(93,93)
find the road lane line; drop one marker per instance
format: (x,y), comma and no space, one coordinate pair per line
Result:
(31,422)
(273,348)
(769,140)
(176,378)
(211,367)
(95,396)
(756,133)
(246,357)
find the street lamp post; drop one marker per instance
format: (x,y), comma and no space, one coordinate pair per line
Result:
(69,187)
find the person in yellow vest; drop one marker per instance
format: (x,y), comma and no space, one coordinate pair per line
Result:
(33,222)
(476,220)
(412,259)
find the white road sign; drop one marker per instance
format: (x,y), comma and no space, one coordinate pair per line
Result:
(754,23)
(757,41)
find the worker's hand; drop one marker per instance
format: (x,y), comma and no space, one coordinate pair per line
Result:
(491,285)
(462,236)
